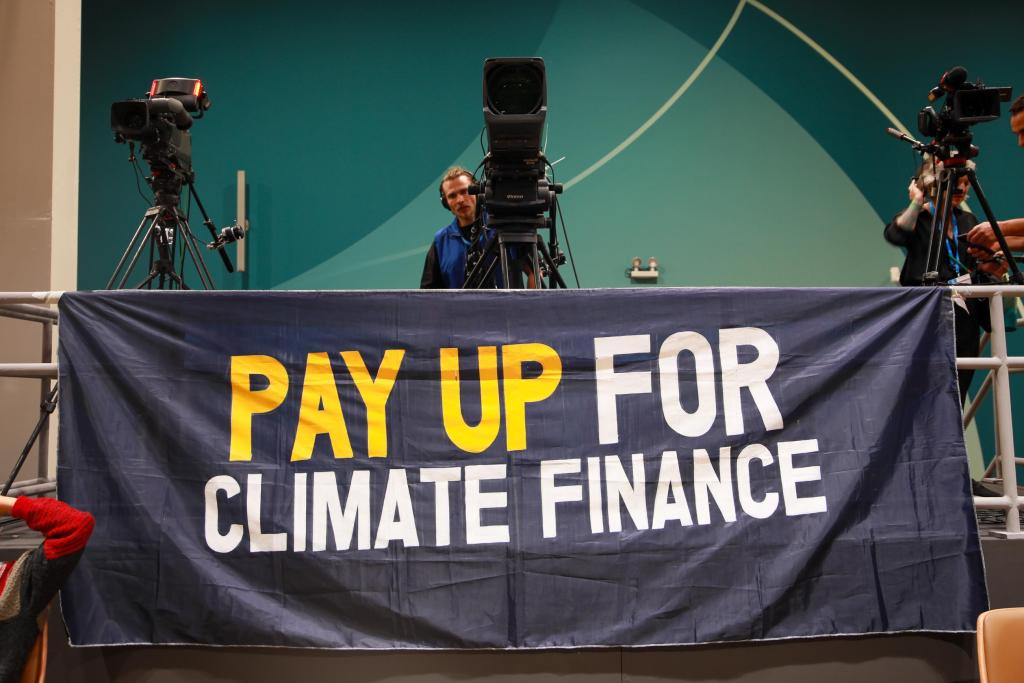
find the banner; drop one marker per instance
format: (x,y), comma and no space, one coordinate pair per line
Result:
(515,469)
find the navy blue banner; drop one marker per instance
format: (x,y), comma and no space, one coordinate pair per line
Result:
(515,469)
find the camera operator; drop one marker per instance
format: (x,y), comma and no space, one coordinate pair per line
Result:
(1013,229)
(911,230)
(445,265)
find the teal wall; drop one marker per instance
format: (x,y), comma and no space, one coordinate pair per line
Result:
(770,169)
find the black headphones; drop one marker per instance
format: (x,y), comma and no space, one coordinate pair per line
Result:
(440,188)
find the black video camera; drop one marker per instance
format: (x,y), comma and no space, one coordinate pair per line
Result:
(160,122)
(515,191)
(965,104)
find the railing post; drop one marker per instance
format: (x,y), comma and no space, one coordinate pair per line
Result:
(44,391)
(1004,418)
(32,307)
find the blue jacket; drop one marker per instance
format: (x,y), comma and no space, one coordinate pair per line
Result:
(450,248)
(445,267)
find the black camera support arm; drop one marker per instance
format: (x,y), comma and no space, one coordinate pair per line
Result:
(209,224)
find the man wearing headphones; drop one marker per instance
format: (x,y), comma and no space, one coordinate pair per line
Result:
(445,265)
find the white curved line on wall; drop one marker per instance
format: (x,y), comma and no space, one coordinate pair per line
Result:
(668,103)
(782,21)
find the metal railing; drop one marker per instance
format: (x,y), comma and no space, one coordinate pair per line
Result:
(997,381)
(34,307)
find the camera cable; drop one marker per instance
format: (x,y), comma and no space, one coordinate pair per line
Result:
(134,161)
(561,219)
(568,244)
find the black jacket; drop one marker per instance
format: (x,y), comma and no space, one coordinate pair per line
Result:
(915,242)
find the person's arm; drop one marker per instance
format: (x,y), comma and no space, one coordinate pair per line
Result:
(895,233)
(908,219)
(898,231)
(65,529)
(431,278)
(983,235)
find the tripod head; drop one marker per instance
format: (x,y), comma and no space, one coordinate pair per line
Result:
(166,181)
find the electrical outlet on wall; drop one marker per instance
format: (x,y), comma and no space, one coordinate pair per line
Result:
(638,272)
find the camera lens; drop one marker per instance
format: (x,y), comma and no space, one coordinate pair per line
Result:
(515,89)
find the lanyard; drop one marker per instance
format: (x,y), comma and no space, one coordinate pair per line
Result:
(951,246)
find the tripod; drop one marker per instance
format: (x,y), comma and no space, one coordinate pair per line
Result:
(161,228)
(952,170)
(541,260)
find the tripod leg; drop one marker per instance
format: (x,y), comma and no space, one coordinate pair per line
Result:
(45,409)
(138,253)
(538,281)
(167,239)
(164,276)
(148,280)
(166,250)
(503,254)
(996,230)
(940,220)
(553,274)
(524,271)
(486,272)
(482,269)
(124,256)
(192,248)
(177,279)
(152,262)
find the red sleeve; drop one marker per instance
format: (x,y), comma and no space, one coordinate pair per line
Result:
(66,529)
